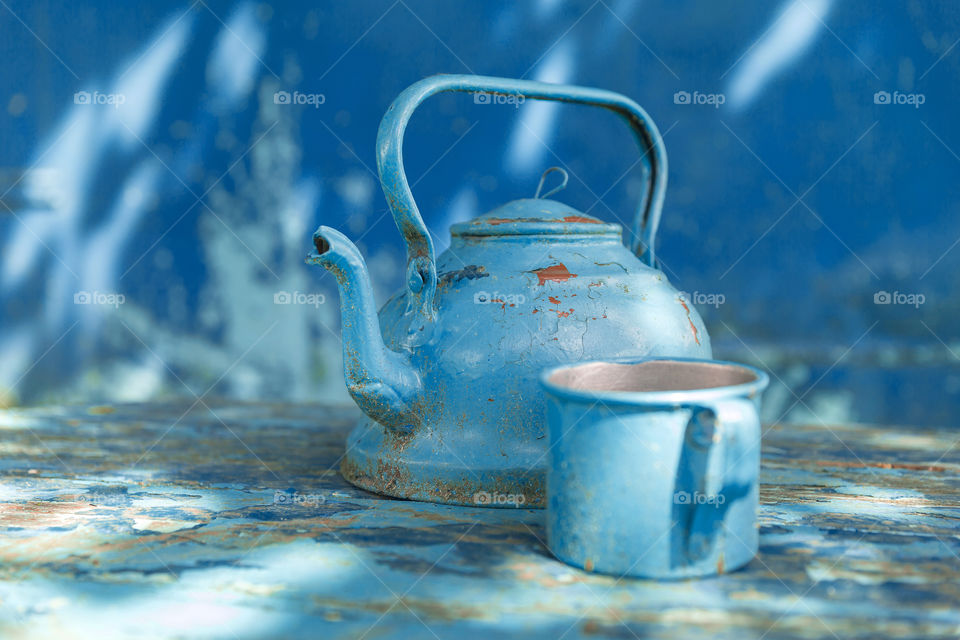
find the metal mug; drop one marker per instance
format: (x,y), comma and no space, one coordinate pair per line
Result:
(653,465)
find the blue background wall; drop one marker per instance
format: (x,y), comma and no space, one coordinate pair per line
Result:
(799,199)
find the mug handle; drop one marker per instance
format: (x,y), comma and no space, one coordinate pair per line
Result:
(726,458)
(421,256)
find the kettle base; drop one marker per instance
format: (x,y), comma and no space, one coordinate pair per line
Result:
(389,465)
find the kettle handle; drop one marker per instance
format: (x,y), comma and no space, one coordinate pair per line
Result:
(421,255)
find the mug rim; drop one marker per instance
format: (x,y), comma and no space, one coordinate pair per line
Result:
(749,389)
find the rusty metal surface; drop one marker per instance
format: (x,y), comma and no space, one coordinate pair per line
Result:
(447,371)
(233,522)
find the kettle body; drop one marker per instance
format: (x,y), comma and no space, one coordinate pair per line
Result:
(447,371)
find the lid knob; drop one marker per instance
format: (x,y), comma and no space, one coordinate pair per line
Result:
(543,179)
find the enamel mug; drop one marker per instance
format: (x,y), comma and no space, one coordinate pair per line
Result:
(653,465)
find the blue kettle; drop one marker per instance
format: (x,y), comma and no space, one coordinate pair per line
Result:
(447,372)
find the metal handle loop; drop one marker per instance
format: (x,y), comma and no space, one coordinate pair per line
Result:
(421,256)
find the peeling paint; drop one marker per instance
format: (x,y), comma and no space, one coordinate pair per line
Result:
(553,273)
(693,327)
(871,548)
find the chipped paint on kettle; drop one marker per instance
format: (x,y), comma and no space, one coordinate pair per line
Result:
(447,380)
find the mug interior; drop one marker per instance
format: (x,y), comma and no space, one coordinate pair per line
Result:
(651,376)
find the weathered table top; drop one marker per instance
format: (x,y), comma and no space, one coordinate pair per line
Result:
(154,521)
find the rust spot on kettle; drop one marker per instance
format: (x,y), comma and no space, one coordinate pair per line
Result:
(555,273)
(387,475)
(496,221)
(696,334)
(554,299)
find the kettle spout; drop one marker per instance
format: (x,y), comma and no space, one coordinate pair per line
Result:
(384,383)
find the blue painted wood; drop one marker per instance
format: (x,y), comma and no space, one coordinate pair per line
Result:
(232,521)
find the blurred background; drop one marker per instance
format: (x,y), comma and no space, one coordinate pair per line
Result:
(163,165)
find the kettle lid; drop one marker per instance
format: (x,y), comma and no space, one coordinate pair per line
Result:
(534,216)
